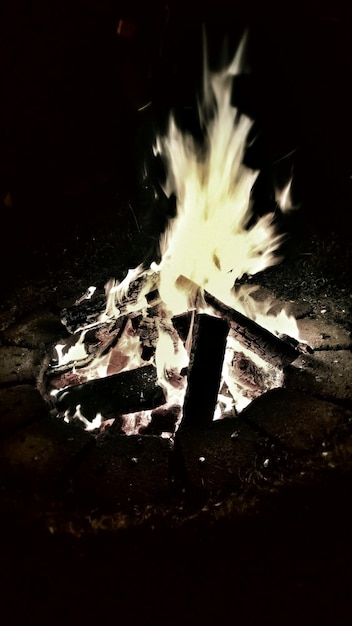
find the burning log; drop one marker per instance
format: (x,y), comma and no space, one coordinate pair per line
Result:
(271,348)
(204,372)
(277,351)
(97,343)
(85,311)
(134,390)
(259,340)
(137,390)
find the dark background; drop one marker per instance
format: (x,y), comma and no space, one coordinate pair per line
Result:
(73,141)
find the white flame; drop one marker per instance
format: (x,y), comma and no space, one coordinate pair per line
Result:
(280,324)
(77,352)
(169,361)
(93,425)
(209,241)
(284,197)
(87,295)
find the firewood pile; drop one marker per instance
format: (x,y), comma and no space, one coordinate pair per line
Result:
(131,383)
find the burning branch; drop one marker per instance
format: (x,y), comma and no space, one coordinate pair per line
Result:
(269,347)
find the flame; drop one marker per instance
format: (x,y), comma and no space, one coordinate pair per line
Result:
(170,359)
(284,197)
(93,425)
(209,240)
(76,352)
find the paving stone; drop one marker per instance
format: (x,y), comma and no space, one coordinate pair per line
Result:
(131,470)
(298,421)
(318,334)
(327,374)
(36,330)
(19,365)
(37,456)
(20,405)
(222,456)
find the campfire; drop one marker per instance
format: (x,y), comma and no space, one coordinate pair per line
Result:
(185,340)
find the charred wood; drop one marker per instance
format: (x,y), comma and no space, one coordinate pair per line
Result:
(182,324)
(249,334)
(126,392)
(204,371)
(87,311)
(83,313)
(254,337)
(278,351)
(97,343)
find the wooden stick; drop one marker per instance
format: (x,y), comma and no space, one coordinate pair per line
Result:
(271,348)
(254,337)
(204,371)
(126,392)
(85,312)
(249,334)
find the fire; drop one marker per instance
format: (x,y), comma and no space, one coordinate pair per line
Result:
(209,240)
(283,197)
(95,423)
(211,244)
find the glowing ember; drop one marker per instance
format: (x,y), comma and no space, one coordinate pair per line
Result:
(210,244)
